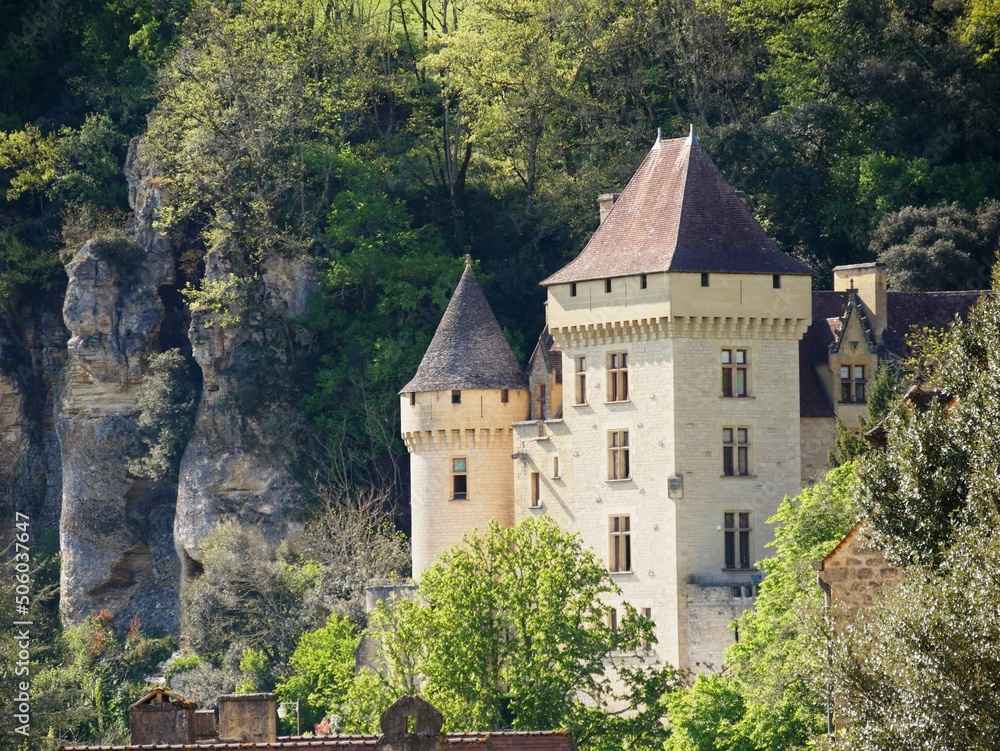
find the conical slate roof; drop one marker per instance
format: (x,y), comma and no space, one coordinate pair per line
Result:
(468,350)
(678,213)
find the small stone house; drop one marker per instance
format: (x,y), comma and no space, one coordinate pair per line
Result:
(853,574)
(163,717)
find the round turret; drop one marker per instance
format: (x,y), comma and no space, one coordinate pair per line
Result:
(456,417)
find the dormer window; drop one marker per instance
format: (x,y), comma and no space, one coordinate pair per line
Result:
(852,384)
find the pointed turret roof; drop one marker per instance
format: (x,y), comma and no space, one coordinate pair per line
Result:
(678,213)
(468,350)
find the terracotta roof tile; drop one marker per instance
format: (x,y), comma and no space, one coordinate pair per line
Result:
(678,213)
(468,350)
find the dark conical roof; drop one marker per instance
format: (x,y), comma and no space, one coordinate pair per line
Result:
(468,350)
(678,213)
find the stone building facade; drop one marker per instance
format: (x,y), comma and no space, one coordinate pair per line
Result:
(687,380)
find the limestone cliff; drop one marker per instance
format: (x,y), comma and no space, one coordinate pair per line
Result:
(115,530)
(32,352)
(235,466)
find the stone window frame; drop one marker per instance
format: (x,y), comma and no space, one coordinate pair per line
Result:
(580,365)
(735,362)
(737,541)
(619,455)
(620,544)
(736,451)
(535,479)
(459,478)
(617,372)
(853,387)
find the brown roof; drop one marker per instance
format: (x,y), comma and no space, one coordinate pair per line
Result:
(468,350)
(905,310)
(678,213)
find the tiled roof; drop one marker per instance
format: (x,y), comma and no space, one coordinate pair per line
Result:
(468,350)
(905,310)
(678,213)
(934,309)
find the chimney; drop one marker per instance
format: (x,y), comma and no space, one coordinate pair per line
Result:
(248,718)
(606,201)
(871,281)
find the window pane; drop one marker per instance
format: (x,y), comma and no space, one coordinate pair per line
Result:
(730,550)
(744,520)
(744,550)
(741,357)
(727,460)
(859,372)
(743,461)
(845,372)
(625,359)
(614,360)
(845,392)
(624,438)
(729,518)
(741,435)
(626,470)
(727,435)
(727,382)
(859,392)
(741,382)
(461,485)
(458,465)
(628,553)
(727,356)
(624,394)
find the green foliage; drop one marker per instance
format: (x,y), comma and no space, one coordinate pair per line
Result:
(322,669)
(925,483)
(167,400)
(707,717)
(233,604)
(510,630)
(26,271)
(84,697)
(255,673)
(944,247)
(225,299)
(923,662)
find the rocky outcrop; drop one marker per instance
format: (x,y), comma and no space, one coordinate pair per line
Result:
(32,352)
(115,530)
(236,464)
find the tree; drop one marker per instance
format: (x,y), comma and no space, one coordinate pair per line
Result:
(926,482)
(511,630)
(920,669)
(167,400)
(322,669)
(944,247)
(263,606)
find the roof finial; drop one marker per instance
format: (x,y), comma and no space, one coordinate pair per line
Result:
(468,262)
(692,139)
(659,135)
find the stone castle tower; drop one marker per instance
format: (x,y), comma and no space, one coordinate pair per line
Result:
(457,416)
(678,326)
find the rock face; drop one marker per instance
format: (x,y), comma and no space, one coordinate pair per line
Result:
(235,465)
(115,530)
(32,352)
